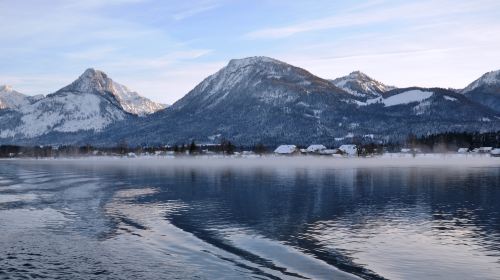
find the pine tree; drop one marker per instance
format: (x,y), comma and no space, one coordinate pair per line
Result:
(193,148)
(259,149)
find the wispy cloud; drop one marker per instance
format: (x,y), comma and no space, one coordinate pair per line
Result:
(159,62)
(94,4)
(428,55)
(93,53)
(171,83)
(162,49)
(196,9)
(373,14)
(37,83)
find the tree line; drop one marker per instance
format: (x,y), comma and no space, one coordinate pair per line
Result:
(452,141)
(441,142)
(225,147)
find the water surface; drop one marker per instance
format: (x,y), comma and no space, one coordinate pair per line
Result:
(137,219)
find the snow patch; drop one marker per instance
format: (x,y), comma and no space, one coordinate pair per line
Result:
(422,107)
(399,99)
(407,97)
(450,98)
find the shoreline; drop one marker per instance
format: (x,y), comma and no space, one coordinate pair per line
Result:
(273,161)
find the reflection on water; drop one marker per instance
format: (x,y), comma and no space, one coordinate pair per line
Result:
(61,220)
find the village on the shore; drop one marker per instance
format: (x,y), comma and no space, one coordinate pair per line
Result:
(230,150)
(353,150)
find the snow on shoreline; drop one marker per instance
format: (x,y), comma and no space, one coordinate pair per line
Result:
(271,161)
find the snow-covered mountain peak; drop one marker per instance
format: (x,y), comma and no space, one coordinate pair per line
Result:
(6,88)
(243,76)
(97,82)
(257,80)
(359,84)
(245,70)
(358,75)
(133,103)
(87,104)
(11,99)
(485,90)
(254,60)
(489,79)
(91,80)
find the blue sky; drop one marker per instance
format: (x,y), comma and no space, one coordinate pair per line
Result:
(162,49)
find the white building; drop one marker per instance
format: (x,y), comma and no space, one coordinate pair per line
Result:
(286,149)
(495,152)
(315,148)
(411,150)
(483,150)
(328,152)
(350,150)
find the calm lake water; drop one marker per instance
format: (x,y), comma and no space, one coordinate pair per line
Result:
(71,219)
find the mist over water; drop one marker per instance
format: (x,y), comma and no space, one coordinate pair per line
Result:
(286,218)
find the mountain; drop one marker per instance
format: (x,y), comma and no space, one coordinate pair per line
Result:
(249,101)
(258,79)
(11,99)
(361,85)
(84,107)
(485,90)
(260,99)
(98,82)
(422,111)
(87,104)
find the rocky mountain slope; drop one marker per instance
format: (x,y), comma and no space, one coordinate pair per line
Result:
(260,99)
(361,85)
(11,99)
(89,104)
(485,90)
(98,82)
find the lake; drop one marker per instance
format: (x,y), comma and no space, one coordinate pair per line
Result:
(286,218)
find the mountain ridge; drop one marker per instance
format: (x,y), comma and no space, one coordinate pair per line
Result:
(264,100)
(89,104)
(259,99)
(97,81)
(485,90)
(360,84)
(12,99)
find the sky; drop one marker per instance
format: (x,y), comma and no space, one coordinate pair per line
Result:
(163,49)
